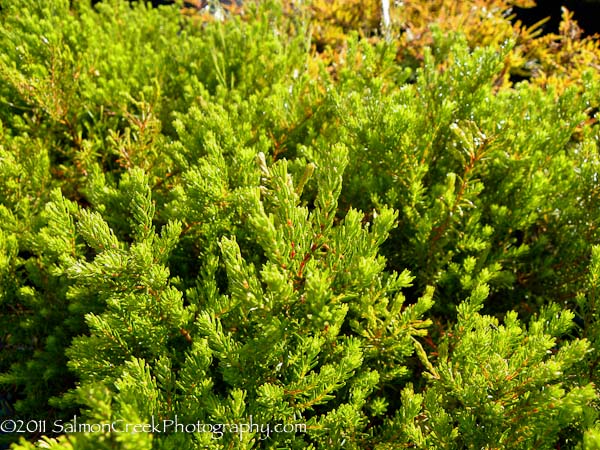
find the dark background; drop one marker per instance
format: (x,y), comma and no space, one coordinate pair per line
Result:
(586,13)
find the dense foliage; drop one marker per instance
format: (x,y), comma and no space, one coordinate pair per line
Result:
(294,215)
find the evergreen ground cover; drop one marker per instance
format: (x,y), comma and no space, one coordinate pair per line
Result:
(371,235)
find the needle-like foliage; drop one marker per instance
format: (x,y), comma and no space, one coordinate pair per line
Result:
(286,226)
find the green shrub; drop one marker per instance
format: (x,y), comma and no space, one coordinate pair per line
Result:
(209,222)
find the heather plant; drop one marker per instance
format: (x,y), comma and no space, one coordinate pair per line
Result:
(433,148)
(556,59)
(220,222)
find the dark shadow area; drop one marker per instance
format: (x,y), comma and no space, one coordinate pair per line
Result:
(586,13)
